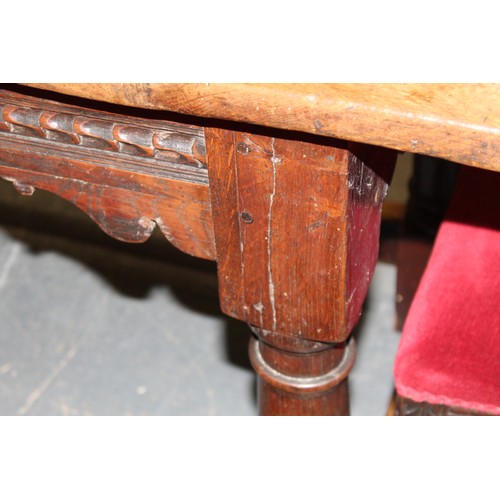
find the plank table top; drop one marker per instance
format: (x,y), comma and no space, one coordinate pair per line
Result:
(458,122)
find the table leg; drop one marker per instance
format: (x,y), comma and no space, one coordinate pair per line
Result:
(301,377)
(296,223)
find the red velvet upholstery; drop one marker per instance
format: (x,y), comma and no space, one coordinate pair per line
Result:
(449,351)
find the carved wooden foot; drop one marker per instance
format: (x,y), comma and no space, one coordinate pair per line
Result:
(408,408)
(301,377)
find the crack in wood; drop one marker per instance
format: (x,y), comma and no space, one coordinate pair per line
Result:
(275,160)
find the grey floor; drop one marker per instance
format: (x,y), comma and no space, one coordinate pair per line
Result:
(89,328)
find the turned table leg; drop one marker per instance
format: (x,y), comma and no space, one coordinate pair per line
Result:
(301,377)
(296,223)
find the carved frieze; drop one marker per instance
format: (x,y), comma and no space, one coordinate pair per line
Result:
(174,148)
(128,173)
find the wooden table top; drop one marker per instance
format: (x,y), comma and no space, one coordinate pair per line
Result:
(459,122)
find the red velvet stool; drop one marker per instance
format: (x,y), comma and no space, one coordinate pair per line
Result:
(448,360)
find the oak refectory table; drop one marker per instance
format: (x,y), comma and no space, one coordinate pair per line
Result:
(281,184)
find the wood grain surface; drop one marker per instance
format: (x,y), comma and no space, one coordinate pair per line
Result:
(458,122)
(296,229)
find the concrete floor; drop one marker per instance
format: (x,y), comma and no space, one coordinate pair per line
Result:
(88,327)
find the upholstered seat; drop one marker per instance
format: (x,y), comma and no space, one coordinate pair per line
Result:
(449,352)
